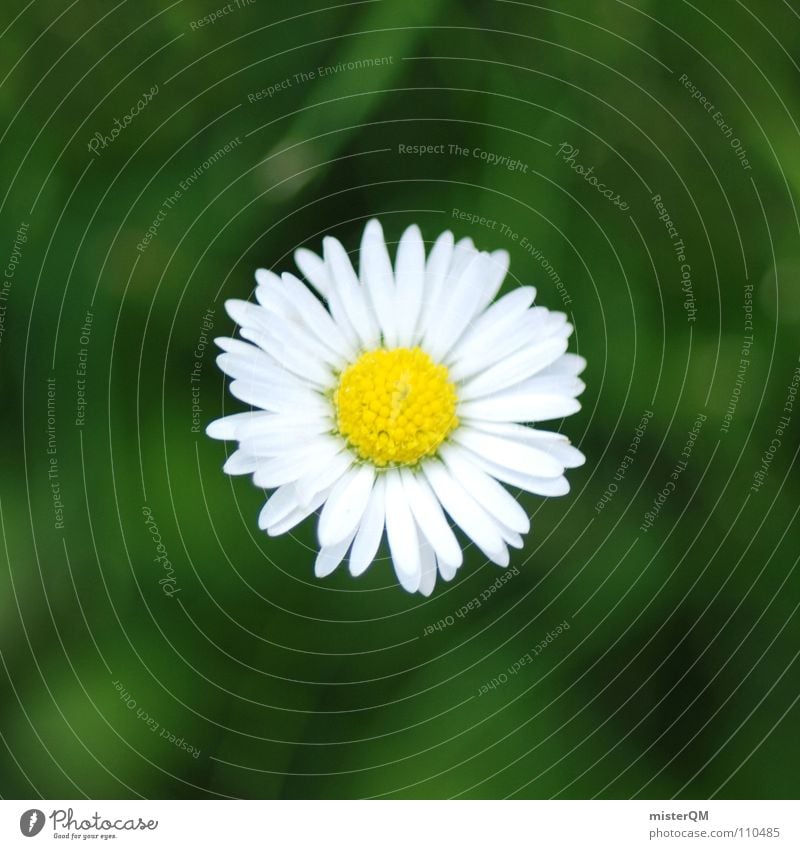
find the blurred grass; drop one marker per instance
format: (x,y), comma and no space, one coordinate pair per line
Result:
(329,688)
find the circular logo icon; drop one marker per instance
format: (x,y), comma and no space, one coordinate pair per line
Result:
(31,822)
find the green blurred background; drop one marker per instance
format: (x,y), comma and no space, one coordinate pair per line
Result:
(678,674)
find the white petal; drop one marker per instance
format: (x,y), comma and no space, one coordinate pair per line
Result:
(227,343)
(281,526)
(300,338)
(513,406)
(436,308)
(446,570)
(525,433)
(315,316)
(289,467)
(352,293)
(494,499)
(280,433)
(276,471)
(430,518)
(466,513)
(568,455)
(270,295)
(525,331)
(265,424)
(259,367)
(331,556)
(279,505)
(336,306)
(268,279)
(278,398)
(370,531)
(401,530)
(510,537)
(313,269)
(345,505)
(514,369)
(286,320)
(493,324)
(241,463)
(375,268)
(567,365)
(545,384)
(251,356)
(509,453)
(246,314)
(496,274)
(428,561)
(556,324)
(228,427)
(317,478)
(463,302)
(292,357)
(410,583)
(548,487)
(410,280)
(279,442)
(436,269)
(555,444)
(463,251)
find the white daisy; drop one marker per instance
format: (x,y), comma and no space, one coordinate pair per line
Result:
(396,398)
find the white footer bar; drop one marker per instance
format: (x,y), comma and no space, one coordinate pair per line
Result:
(402,824)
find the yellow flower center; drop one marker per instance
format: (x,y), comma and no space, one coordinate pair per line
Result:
(395,407)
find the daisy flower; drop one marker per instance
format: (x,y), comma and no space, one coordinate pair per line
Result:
(397,397)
